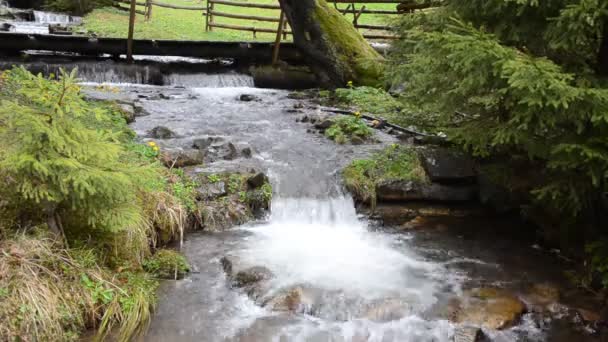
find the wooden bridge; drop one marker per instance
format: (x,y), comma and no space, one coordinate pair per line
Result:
(11,43)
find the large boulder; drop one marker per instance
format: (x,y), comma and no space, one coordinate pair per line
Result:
(448,167)
(405,191)
(179,159)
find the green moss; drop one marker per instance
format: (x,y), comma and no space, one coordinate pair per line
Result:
(167,264)
(348,128)
(394,163)
(351,51)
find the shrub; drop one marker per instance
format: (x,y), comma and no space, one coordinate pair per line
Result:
(78,7)
(167,264)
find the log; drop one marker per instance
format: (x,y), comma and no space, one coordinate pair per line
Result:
(244,4)
(336,51)
(189,8)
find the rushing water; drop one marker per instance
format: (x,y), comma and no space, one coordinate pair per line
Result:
(315,239)
(30,21)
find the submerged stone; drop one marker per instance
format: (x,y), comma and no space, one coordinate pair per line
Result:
(161,132)
(252,275)
(491,308)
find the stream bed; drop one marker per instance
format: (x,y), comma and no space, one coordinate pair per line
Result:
(314,239)
(362,281)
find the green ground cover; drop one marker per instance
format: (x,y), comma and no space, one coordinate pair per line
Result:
(167,23)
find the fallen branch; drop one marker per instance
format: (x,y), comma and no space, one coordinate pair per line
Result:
(371,118)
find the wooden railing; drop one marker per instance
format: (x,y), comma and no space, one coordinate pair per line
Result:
(356,8)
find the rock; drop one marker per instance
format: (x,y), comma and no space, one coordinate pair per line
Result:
(181,159)
(246,152)
(128,112)
(6,27)
(589,316)
(257,180)
(447,167)
(357,140)
(161,132)
(291,299)
(468,334)
(305,119)
(403,191)
(226,151)
(247,98)
(204,143)
(542,295)
(491,308)
(251,276)
(324,124)
(284,77)
(139,110)
(211,191)
(387,310)
(395,214)
(298,95)
(226,266)
(257,202)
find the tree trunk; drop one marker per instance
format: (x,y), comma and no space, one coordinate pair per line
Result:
(335,50)
(602,59)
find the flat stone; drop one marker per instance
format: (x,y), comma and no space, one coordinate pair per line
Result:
(404,191)
(448,167)
(491,308)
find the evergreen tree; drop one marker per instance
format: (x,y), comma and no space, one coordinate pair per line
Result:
(520,80)
(57,161)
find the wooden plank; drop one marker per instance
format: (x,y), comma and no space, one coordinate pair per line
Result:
(189,8)
(243,4)
(242,16)
(129,3)
(244,28)
(373,27)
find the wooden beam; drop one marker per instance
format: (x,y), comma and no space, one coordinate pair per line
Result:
(242,4)
(277,43)
(131,29)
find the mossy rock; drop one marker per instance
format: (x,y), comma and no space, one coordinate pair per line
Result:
(167,264)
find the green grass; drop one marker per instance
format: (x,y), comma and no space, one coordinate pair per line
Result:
(175,24)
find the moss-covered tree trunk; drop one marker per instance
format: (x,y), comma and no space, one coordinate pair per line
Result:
(335,50)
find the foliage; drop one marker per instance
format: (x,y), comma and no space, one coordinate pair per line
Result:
(78,7)
(347,129)
(54,294)
(394,163)
(517,79)
(379,103)
(167,264)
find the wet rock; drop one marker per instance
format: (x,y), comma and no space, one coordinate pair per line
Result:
(324,124)
(404,213)
(542,295)
(161,132)
(305,119)
(181,159)
(204,143)
(257,180)
(225,151)
(403,191)
(387,310)
(226,266)
(293,299)
(5,27)
(139,110)
(251,276)
(468,334)
(589,316)
(246,152)
(357,140)
(211,191)
(447,167)
(247,98)
(258,203)
(128,111)
(491,308)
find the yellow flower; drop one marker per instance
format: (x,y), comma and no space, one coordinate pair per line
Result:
(349,84)
(358,114)
(155,148)
(151,144)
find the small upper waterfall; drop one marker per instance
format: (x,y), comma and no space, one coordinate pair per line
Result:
(32,21)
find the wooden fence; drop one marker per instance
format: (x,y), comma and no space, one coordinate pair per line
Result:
(355,8)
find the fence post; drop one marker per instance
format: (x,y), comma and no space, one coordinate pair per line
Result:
(131,29)
(209,19)
(148,9)
(277,42)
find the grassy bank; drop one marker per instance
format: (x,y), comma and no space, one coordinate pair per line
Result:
(169,23)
